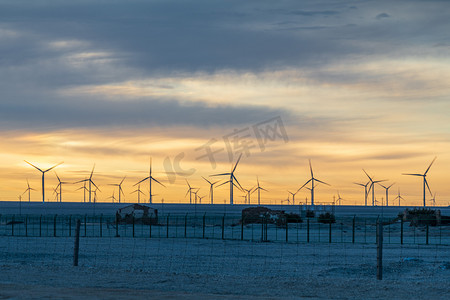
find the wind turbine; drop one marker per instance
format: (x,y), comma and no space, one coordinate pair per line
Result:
(189,191)
(366,193)
(339,198)
(150,178)
(201,197)
(55,191)
(120,187)
(434,199)
(372,186)
(293,196)
(312,180)
(232,178)
(29,189)
(60,183)
(84,191)
(139,192)
(91,183)
(113,197)
(399,197)
(259,188)
(95,194)
(387,192)
(211,189)
(43,176)
(248,194)
(425,182)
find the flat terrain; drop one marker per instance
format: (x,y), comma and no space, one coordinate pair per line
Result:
(116,268)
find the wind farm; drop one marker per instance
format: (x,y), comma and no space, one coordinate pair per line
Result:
(274,197)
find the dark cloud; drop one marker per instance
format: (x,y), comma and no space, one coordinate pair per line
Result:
(89,113)
(382,16)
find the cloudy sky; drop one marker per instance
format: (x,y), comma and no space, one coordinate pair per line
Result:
(347,84)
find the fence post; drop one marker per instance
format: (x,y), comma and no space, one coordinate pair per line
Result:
(167,226)
(329,233)
(401,231)
(117,225)
(40,226)
(354,228)
(242,229)
(85,225)
(307,230)
(223,227)
(287,225)
(185,225)
(76,247)
(70,225)
(26,225)
(204,220)
(132,220)
(428,231)
(150,229)
(379,250)
(101,225)
(12,225)
(54,226)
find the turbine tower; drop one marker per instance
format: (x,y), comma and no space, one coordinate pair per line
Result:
(248,194)
(372,186)
(84,191)
(425,182)
(211,189)
(387,192)
(189,191)
(60,183)
(43,177)
(293,196)
(339,198)
(259,189)
(139,192)
(91,183)
(399,197)
(113,198)
(232,179)
(29,189)
(120,187)
(366,193)
(150,178)
(312,180)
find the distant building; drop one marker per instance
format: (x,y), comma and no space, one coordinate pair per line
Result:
(137,213)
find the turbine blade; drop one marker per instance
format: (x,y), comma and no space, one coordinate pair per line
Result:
(429,166)
(223,183)
(222,174)
(240,186)
(367,175)
(305,184)
(92,172)
(426,183)
(33,165)
(157,181)
(188,183)
(412,174)
(141,181)
(321,181)
(122,180)
(235,166)
(53,167)
(206,180)
(310,168)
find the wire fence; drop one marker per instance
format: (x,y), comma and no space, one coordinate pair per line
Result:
(311,230)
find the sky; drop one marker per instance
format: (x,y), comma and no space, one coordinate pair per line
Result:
(349,85)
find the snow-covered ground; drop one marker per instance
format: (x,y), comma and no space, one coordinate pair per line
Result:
(211,268)
(116,268)
(67,208)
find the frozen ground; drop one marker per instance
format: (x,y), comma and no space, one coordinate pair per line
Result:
(67,208)
(117,268)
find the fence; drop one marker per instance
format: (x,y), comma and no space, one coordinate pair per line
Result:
(344,230)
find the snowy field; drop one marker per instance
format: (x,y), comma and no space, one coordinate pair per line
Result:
(204,266)
(117,268)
